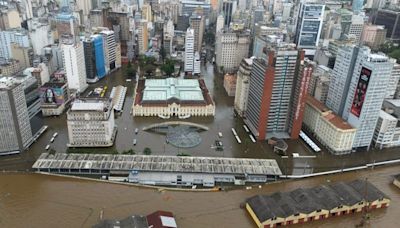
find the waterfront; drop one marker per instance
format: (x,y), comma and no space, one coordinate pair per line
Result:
(35,200)
(223,121)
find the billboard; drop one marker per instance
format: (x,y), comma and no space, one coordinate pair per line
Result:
(52,95)
(361,91)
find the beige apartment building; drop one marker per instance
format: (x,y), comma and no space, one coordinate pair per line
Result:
(329,129)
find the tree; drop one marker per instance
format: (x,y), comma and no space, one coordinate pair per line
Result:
(147,151)
(130,71)
(168,67)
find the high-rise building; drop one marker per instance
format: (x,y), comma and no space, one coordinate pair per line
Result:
(373,35)
(110,46)
(74,66)
(356,26)
(278,87)
(189,50)
(341,77)
(309,26)
(220,23)
(94,58)
(357,5)
(242,86)
(391,20)
(197,24)
(231,48)
(15,128)
(143,38)
(91,123)
(146,13)
(366,93)
(393,81)
(196,63)
(228,9)
(8,37)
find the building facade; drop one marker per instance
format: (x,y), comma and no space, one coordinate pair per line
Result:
(230,84)
(242,86)
(373,35)
(143,38)
(329,129)
(172,97)
(189,51)
(94,58)
(91,123)
(54,98)
(74,66)
(278,86)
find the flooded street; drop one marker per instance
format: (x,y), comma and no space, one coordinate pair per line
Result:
(35,200)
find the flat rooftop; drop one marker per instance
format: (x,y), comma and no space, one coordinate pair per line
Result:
(164,89)
(154,163)
(90,105)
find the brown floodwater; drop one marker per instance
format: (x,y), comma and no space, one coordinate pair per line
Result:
(35,200)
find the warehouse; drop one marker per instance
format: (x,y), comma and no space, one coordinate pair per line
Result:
(321,202)
(162,170)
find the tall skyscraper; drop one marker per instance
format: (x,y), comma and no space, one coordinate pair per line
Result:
(74,65)
(242,86)
(228,9)
(197,24)
(366,94)
(309,26)
(220,23)
(110,46)
(391,20)
(94,58)
(189,50)
(15,128)
(143,38)
(341,78)
(357,5)
(278,87)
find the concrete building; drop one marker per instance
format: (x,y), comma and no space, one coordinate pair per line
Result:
(329,129)
(190,6)
(110,47)
(373,36)
(391,20)
(356,26)
(242,86)
(172,97)
(231,48)
(9,18)
(366,93)
(10,67)
(393,80)
(94,58)
(220,23)
(143,38)
(15,128)
(228,9)
(74,66)
(387,130)
(189,51)
(230,84)
(84,6)
(309,204)
(54,98)
(8,37)
(23,54)
(41,35)
(91,123)
(197,24)
(309,26)
(319,83)
(196,63)
(278,86)
(341,77)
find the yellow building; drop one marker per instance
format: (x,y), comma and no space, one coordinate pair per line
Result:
(321,202)
(329,129)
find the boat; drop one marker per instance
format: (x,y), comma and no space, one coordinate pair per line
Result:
(163,117)
(47,147)
(220,134)
(134,142)
(55,135)
(136,130)
(128,80)
(52,140)
(184,117)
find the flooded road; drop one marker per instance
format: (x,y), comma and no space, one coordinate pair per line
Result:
(35,200)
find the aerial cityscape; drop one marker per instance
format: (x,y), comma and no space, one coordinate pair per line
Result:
(199,113)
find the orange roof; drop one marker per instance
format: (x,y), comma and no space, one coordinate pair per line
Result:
(338,122)
(316,103)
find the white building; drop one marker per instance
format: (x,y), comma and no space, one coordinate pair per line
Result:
(189,50)
(91,123)
(196,63)
(220,23)
(74,66)
(172,97)
(356,26)
(393,81)
(329,129)
(41,36)
(242,86)
(110,48)
(366,93)
(387,130)
(231,48)
(12,36)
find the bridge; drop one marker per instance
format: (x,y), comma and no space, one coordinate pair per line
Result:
(169,123)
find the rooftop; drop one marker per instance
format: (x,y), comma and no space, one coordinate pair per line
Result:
(104,162)
(338,122)
(316,103)
(90,105)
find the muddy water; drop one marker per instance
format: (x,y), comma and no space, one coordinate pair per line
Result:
(34,200)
